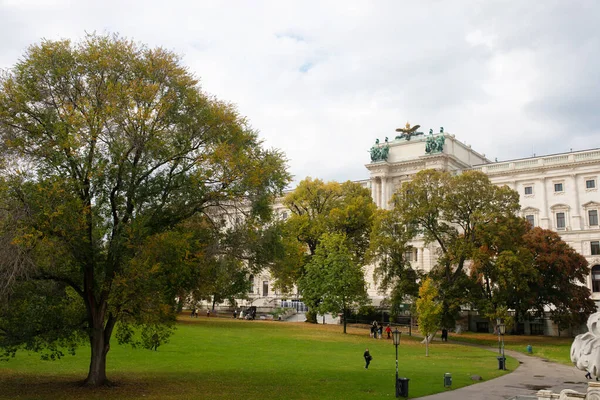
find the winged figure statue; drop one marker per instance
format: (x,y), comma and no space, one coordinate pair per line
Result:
(408,131)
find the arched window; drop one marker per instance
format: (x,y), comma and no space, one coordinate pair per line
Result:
(596,278)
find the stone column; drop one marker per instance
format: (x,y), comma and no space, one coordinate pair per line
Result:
(576,218)
(544,212)
(384,193)
(374,189)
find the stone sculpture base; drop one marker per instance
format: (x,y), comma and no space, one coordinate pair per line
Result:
(593,393)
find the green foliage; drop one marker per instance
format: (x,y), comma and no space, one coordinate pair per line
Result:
(334,281)
(451,212)
(318,208)
(111,151)
(388,247)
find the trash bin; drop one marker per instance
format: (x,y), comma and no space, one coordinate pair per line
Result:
(447,379)
(501,362)
(402,387)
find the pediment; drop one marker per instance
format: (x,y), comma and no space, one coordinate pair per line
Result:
(560,207)
(591,204)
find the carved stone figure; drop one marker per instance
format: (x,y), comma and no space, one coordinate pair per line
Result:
(585,350)
(379,152)
(431,131)
(440,140)
(434,144)
(441,129)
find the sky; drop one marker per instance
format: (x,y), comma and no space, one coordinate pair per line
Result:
(321,80)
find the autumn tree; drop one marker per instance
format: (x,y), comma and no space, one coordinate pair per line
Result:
(449,211)
(501,268)
(109,148)
(334,281)
(317,208)
(560,285)
(429,311)
(388,248)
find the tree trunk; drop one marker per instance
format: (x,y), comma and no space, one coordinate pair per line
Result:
(344,316)
(426,347)
(97,372)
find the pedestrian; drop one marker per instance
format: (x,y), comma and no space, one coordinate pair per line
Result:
(388,330)
(208,312)
(193,314)
(368,358)
(242,314)
(234,314)
(588,375)
(380,332)
(444,335)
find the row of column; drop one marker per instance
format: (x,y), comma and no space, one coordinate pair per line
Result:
(381,192)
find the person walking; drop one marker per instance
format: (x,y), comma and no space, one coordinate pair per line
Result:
(368,358)
(379,332)
(388,330)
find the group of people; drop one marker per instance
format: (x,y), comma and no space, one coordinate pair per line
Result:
(377,331)
(194,312)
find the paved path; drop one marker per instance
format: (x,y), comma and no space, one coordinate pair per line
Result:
(531,375)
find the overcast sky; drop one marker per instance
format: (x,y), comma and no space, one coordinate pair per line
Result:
(322,80)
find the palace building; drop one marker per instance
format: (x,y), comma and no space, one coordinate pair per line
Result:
(557,192)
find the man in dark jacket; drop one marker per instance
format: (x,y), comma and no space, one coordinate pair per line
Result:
(368,358)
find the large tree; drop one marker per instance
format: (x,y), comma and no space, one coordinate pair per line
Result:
(334,281)
(390,242)
(108,149)
(318,208)
(561,280)
(449,211)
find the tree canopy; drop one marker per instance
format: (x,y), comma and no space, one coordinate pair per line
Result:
(318,208)
(334,280)
(109,149)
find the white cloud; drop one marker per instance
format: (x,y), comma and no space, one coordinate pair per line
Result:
(322,80)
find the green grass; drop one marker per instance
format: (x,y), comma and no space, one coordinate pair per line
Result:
(231,359)
(557,349)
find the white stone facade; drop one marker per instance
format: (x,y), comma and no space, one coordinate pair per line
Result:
(558,192)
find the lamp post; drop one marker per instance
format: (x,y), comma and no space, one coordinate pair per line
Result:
(498,322)
(502,331)
(396,336)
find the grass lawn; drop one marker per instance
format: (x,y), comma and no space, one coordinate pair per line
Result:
(216,358)
(556,349)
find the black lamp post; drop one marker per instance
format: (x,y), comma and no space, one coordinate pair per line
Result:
(396,336)
(501,332)
(498,322)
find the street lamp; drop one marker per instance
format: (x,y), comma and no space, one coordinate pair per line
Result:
(498,322)
(396,337)
(501,332)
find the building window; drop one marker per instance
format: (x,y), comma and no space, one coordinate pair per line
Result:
(251,279)
(408,256)
(590,184)
(265,288)
(560,220)
(558,188)
(531,219)
(284,215)
(595,248)
(528,189)
(593,217)
(596,278)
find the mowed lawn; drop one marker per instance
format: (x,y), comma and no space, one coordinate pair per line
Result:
(557,349)
(218,358)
